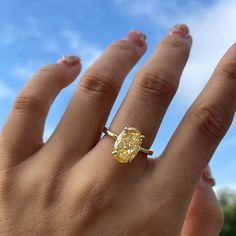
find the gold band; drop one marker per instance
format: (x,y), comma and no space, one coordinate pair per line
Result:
(128,144)
(108,132)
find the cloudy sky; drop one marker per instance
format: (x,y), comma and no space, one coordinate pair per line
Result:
(33,33)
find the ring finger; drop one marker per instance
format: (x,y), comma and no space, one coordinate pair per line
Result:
(154,87)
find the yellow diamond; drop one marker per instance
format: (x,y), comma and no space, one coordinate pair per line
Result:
(127,145)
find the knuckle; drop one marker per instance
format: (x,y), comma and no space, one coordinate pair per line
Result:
(209,121)
(27,102)
(149,212)
(99,85)
(176,44)
(98,199)
(228,70)
(153,87)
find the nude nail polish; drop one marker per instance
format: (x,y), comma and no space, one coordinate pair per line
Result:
(69,60)
(181,30)
(137,37)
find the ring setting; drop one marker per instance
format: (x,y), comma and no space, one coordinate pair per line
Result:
(127,144)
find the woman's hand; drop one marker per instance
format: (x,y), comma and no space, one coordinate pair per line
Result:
(72,185)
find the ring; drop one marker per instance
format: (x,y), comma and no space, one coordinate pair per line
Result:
(128,144)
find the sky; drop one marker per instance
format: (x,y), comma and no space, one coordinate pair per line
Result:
(35,33)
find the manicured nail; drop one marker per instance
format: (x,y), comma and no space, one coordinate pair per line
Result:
(69,60)
(137,37)
(207,176)
(180,30)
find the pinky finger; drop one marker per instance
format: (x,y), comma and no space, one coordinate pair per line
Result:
(23,132)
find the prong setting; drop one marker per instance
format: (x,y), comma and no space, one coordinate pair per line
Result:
(128,144)
(114,152)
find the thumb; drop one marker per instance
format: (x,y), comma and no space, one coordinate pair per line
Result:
(204,216)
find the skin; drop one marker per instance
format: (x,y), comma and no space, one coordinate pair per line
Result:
(71,185)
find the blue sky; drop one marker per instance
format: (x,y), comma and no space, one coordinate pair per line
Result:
(34,33)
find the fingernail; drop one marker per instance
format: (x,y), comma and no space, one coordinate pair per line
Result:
(69,60)
(207,177)
(137,37)
(180,30)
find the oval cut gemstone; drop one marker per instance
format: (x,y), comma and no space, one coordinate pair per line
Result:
(127,145)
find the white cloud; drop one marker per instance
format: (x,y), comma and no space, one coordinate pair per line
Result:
(162,13)
(34,30)
(88,53)
(60,42)
(12,35)
(213,35)
(5,91)
(74,44)
(212,27)
(24,71)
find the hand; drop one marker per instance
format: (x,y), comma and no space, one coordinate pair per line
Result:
(71,185)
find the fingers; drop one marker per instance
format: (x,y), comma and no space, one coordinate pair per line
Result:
(204,216)
(23,131)
(202,128)
(82,124)
(154,87)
